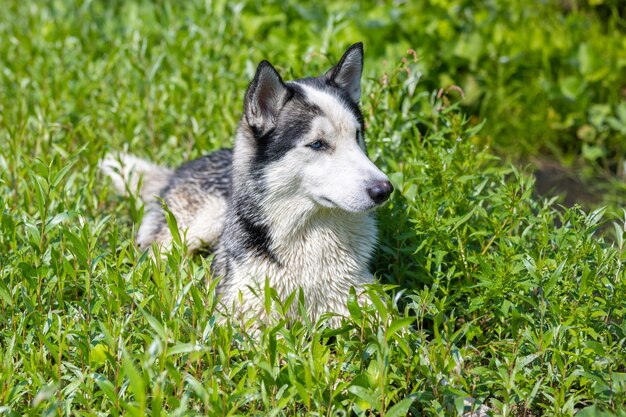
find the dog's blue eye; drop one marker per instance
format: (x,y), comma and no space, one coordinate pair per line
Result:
(317,145)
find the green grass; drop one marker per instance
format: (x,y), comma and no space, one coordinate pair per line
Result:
(489,291)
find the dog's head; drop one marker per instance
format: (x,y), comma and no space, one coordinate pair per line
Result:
(306,137)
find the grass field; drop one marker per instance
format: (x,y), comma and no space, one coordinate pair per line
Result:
(487,291)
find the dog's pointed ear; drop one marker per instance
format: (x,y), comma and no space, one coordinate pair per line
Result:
(265,97)
(347,73)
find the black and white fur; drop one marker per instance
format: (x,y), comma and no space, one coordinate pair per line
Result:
(291,203)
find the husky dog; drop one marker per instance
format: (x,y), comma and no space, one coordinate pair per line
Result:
(291,203)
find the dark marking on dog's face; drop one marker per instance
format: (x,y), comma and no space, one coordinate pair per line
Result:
(294,118)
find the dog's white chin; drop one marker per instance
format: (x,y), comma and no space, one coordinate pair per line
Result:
(330,204)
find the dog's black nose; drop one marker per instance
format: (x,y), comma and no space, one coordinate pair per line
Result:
(379,191)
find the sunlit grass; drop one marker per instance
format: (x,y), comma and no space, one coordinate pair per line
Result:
(488,292)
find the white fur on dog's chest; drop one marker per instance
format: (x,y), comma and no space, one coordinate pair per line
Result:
(324,260)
